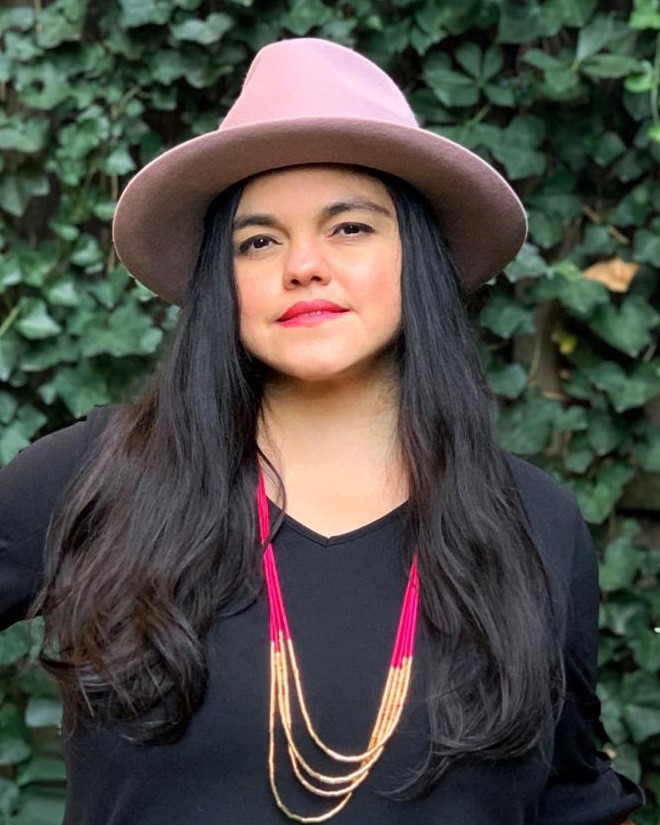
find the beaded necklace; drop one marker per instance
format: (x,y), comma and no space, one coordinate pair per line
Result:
(283,661)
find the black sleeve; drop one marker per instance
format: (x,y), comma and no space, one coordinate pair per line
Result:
(31,488)
(583,788)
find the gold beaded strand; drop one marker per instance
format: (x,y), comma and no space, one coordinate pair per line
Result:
(283,664)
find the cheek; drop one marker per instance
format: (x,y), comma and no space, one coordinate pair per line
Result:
(252,301)
(381,287)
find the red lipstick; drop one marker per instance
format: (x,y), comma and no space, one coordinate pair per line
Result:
(311,311)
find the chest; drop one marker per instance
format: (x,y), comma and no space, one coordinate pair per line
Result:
(343,601)
(340,499)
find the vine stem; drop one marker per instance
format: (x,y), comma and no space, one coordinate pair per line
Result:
(480,115)
(654,90)
(9,320)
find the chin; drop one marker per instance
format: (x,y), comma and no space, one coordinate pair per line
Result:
(321,374)
(312,376)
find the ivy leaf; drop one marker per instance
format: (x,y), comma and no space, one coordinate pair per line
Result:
(206,31)
(34,320)
(20,17)
(25,134)
(9,796)
(88,132)
(304,15)
(8,406)
(59,22)
(608,147)
(62,291)
(622,618)
(118,162)
(43,355)
(580,455)
(626,390)
(109,290)
(594,37)
(13,750)
(646,650)
(507,380)
(627,328)
(11,347)
(576,293)
(640,693)
(620,565)
(542,60)
(129,331)
(43,712)
(41,768)
(571,419)
(528,263)
(81,387)
(646,247)
(468,54)
(609,65)
(87,253)
(452,88)
(626,761)
(430,19)
(505,316)
(493,61)
(603,433)
(646,15)
(642,80)
(582,295)
(142,12)
(501,94)
(14,643)
(521,23)
(17,190)
(598,497)
(648,452)
(12,441)
(41,805)
(525,427)
(517,149)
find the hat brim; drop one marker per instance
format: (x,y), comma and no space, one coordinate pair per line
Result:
(159,220)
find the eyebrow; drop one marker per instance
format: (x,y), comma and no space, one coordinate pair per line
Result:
(329,211)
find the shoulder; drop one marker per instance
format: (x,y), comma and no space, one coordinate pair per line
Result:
(41,471)
(98,419)
(554,519)
(546,499)
(63,446)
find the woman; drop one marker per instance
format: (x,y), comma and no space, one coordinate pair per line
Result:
(297,578)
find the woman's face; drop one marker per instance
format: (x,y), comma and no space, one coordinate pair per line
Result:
(317,232)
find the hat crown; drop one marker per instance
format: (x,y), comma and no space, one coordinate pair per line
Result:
(313,78)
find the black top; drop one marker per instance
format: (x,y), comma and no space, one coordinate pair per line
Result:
(343,596)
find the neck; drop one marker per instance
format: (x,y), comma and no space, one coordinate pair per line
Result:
(328,419)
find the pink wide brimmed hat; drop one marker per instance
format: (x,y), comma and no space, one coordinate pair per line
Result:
(308,100)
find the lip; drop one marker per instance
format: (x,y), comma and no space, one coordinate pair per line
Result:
(304,307)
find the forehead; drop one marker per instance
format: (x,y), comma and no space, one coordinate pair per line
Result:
(315,181)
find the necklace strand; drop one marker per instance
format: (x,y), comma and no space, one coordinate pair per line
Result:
(284,665)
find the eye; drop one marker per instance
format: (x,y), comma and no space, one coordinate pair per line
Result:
(353,228)
(254,244)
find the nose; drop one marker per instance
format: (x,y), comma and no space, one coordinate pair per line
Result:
(304,262)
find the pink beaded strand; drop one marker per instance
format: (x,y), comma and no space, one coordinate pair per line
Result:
(283,657)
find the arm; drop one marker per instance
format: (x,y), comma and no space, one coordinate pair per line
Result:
(583,788)
(30,489)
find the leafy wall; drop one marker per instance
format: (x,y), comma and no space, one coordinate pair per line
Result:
(561,96)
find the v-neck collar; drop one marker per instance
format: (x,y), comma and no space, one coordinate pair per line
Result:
(343,538)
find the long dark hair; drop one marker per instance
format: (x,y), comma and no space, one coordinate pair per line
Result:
(158,537)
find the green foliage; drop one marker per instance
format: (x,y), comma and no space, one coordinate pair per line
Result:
(562,97)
